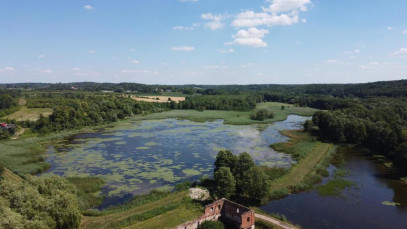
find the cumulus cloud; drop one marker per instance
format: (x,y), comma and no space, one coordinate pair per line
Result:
(215,21)
(217,67)
(89,7)
(91,51)
(246,65)
(402,51)
(41,56)
(135,62)
(279,12)
(404,32)
(252,37)
(183,48)
(287,5)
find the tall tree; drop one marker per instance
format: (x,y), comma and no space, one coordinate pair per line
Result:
(225,184)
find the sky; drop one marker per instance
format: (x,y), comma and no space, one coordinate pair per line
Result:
(203,41)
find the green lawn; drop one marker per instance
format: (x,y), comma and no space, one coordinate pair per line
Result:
(232,117)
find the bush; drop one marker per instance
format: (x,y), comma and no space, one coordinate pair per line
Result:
(261,115)
(211,225)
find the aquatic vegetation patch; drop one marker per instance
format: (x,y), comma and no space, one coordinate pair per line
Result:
(388,203)
(151,144)
(191,172)
(142,147)
(334,187)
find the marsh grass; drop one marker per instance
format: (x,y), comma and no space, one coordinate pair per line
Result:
(88,191)
(334,187)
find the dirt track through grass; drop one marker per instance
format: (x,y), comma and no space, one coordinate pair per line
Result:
(304,167)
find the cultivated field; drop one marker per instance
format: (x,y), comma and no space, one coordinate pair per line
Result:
(159,98)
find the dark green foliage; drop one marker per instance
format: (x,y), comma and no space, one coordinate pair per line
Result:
(239,175)
(72,111)
(183,186)
(261,115)
(39,203)
(225,184)
(1,168)
(243,102)
(211,225)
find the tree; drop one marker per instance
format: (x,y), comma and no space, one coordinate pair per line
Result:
(244,164)
(225,184)
(225,158)
(261,115)
(256,183)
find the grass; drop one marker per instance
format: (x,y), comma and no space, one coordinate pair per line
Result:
(232,117)
(311,154)
(88,191)
(153,211)
(31,114)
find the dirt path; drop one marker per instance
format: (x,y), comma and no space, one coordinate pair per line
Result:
(304,167)
(276,222)
(20,132)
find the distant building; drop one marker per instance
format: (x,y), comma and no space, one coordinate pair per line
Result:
(6,126)
(228,211)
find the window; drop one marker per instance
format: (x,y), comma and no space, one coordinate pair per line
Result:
(248,219)
(219,206)
(237,210)
(211,209)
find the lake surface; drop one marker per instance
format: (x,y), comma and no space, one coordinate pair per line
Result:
(140,156)
(359,207)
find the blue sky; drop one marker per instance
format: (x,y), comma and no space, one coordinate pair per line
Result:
(203,41)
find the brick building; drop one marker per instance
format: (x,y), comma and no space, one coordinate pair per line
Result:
(235,214)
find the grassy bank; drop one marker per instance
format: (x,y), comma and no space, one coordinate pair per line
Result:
(233,117)
(155,210)
(313,158)
(31,114)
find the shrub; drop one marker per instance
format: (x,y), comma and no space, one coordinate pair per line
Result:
(211,225)
(261,115)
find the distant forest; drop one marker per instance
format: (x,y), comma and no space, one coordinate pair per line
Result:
(371,115)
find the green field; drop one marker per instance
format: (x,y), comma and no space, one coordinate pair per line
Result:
(31,114)
(233,117)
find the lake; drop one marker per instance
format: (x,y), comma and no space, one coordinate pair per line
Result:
(137,157)
(361,206)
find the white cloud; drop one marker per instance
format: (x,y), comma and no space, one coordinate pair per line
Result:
(132,50)
(41,56)
(48,71)
(127,71)
(402,51)
(374,63)
(260,74)
(226,50)
(252,19)
(390,28)
(298,43)
(7,69)
(252,37)
(91,51)
(356,51)
(183,48)
(75,69)
(352,57)
(333,61)
(404,32)
(303,20)
(135,62)
(183,28)
(89,7)
(216,21)
(287,5)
